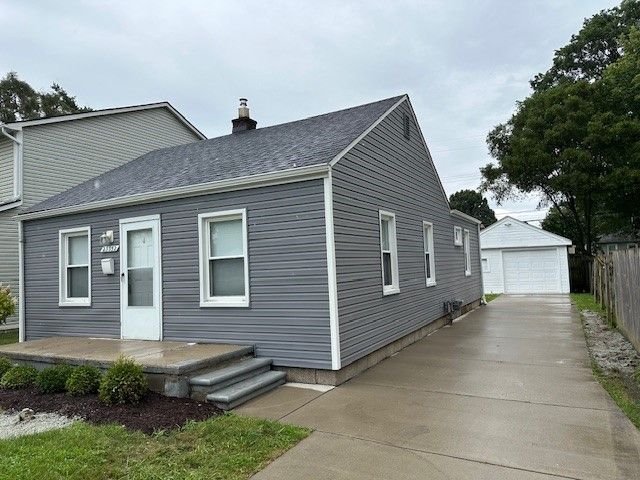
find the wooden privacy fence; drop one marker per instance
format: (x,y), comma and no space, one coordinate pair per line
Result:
(616,286)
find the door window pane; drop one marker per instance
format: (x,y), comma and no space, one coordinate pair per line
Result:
(78,250)
(77,282)
(140,248)
(226,238)
(226,277)
(140,287)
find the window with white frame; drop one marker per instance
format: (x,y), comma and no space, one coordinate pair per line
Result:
(224,266)
(389,253)
(429,257)
(75,263)
(457,236)
(467,253)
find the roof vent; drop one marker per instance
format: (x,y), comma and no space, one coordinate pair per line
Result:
(243,122)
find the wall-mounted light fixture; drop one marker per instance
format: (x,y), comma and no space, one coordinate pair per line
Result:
(106,238)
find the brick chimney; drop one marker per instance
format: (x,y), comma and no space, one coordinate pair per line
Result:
(243,122)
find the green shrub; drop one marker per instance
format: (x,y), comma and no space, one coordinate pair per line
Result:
(84,380)
(5,365)
(53,379)
(7,303)
(124,382)
(19,376)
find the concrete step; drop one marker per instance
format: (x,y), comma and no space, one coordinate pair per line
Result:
(239,393)
(213,380)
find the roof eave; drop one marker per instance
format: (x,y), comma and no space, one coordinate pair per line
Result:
(464,216)
(109,111)
(240,183)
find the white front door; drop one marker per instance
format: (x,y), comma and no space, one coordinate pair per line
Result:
(140,276)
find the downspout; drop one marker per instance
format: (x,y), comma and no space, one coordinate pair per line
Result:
(17,162)
(483,300)
(21,304)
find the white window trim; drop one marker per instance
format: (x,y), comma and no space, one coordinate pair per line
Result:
(466,241)
(393,250)
(63,235)
(204,219)
(488,270)
(430,281)
(457,236)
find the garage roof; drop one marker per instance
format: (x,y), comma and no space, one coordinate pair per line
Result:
(510,232)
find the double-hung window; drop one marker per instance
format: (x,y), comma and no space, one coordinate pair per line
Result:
(467,253)
(75,267)
(389,253)
(224,266)
(429,257)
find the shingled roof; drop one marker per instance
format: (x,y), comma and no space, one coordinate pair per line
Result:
(303,143)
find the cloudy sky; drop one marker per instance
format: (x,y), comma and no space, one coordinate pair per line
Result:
(464,64)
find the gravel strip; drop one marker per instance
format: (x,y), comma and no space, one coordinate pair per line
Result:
(612,352)
(10,426)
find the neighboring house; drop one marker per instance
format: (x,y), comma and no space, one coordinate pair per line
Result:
(42,157)
(520,258)
(325,242)
(612,243)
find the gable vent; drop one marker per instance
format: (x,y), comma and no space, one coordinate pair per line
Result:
(406,123)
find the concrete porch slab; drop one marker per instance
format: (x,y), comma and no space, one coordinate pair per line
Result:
(170,358)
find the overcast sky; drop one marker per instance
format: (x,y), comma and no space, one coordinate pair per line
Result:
(464,64)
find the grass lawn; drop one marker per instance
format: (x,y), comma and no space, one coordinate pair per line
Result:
(8,336)
(228,447)
(620,389)
(491,296)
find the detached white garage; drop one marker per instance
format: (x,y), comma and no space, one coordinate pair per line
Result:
(520,258)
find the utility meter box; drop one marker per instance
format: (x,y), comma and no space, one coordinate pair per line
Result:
(107,266)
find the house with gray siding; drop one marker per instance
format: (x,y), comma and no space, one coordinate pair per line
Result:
(325,243)
(40,158)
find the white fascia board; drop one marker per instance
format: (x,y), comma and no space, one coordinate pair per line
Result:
(464,216)
(107,111)
(240,183)
(366,132)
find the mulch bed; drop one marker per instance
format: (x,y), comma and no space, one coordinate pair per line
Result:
(156,412)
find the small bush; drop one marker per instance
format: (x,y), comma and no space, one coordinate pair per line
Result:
(5,365)
(7,303)
(19,376)
(53,379)
(124,382)
(84,380)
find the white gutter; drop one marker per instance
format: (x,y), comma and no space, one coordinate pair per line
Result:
(241,183)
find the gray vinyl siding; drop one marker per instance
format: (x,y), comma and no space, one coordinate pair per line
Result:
(58,156)
(288,317)
(385,171)
(6,169)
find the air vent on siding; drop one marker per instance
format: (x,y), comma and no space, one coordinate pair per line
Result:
(406,123)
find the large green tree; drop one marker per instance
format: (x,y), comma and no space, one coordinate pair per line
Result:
(575,142)
(474,204)
(20,101)
(596,46)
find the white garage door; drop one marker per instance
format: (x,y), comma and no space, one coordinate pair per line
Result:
(531,271)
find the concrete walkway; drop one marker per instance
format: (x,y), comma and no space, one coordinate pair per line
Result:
(504,393)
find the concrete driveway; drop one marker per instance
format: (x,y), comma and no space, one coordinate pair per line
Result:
(506,392)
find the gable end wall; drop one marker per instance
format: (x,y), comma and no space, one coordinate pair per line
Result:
(385,171)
